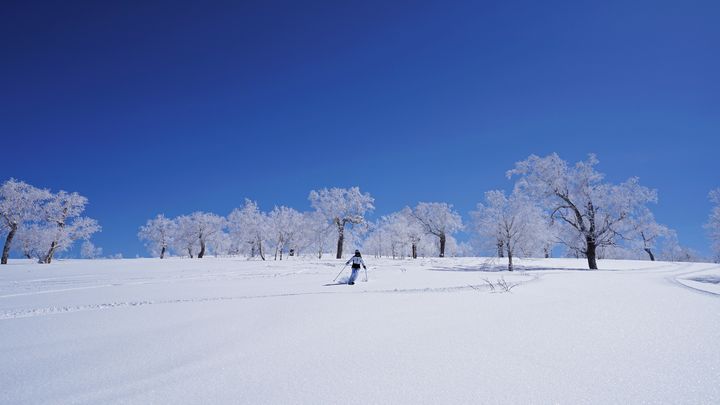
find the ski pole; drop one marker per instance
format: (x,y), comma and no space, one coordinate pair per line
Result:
(366,274)
(343,269)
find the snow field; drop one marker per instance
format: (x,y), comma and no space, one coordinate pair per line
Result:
(228,330)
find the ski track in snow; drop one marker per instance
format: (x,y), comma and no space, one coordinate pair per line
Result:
(676,277)
(26,313)
(682,279)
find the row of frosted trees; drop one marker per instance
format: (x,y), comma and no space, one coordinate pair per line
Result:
(38,223)
(339,215)
(553,206)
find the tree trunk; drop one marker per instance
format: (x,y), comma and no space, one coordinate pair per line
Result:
(650,253)
(442,245)
(547,253)
(510,265)
(190,252)
(260,251)
(341,240)
(202,249)
(8,242)
(49,256)
(162,253)
(590,252)
(500,249)
(252,249)
(414,251)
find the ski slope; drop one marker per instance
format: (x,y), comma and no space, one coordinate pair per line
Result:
(229,330)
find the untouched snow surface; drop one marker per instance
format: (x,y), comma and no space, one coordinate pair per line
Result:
(425,331)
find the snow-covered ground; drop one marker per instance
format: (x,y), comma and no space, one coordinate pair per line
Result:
(425,331)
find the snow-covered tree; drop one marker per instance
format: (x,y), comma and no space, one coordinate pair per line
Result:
(577,197)
(512,223)
(394,234)
(33,240)
(220,243)
(62,217)
(285,225)
(411,230)
(374,241)
(645,232)
(204,226)
(185,237)
(713,224)
(672,251)
(19,204)
(248,226)
(157,234)
(340,207)
(397,234)
(438,219)
(317,232)
(89,251)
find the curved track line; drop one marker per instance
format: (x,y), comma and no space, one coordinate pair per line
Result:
(26,313)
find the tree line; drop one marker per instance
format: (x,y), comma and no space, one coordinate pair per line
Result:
(554,206)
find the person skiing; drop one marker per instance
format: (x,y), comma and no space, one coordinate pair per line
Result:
(356,261)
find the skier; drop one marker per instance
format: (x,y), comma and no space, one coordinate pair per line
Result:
(356,261)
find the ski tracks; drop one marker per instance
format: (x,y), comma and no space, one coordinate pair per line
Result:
(677,279)
(53,310)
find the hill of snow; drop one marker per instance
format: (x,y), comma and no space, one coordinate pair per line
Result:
(229,330)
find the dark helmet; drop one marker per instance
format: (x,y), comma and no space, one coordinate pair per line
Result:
(357,252)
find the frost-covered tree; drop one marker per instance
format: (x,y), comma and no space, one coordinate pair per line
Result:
(157,234)
(248,226)
(439,220)
(672,251)
(220,243)
(317,232)
(204,226)
(512,223)
(374,241)
(645,232)
(411,230)
(285,225)
(393,230)
(185,236)
(33,240)
(713,224)
(397,234)
(89,251)
(576,196)
(19,204)
(63,221)
(340,207)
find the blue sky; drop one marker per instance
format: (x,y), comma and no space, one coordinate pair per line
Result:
(175,106)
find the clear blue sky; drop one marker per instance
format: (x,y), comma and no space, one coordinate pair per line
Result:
(149,107)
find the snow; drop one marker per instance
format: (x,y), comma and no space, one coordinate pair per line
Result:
(229,330)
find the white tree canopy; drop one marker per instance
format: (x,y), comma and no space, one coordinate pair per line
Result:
(20,203)
(62,216)
(438,219)
(285,225)
(341,207)
(158,234)
(249,228)
(514,223)
(577,198)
